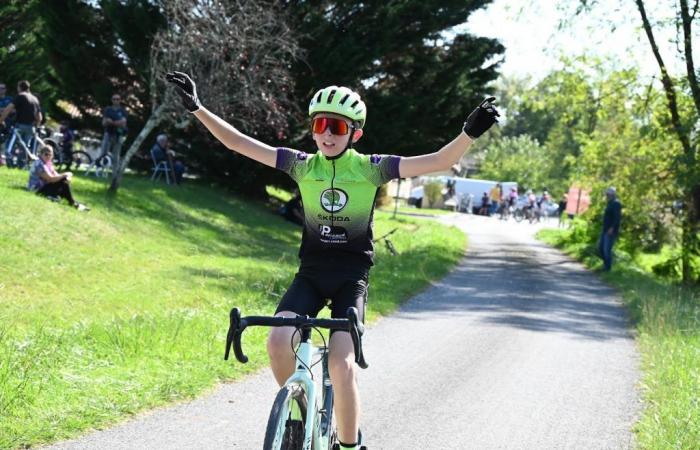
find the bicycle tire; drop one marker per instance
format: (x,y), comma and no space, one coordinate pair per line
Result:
(518,215)
(80,159)
(281,433)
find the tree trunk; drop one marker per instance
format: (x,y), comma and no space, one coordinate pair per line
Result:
(153,121)
(689,178)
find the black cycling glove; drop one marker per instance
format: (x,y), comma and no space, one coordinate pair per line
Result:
(481,118)
(185,88)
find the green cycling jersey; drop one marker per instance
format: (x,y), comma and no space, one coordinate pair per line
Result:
(338,196)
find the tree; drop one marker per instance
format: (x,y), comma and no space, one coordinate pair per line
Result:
(417,74)
(520,158)
(680,122)
(241,71)
(21,54)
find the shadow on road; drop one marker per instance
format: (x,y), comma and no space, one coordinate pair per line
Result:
(528,286)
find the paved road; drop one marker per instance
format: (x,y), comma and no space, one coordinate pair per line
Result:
(518,348)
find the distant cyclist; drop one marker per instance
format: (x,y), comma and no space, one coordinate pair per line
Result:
(27,114)
(338,186)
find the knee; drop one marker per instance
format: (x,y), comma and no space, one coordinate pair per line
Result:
(342,367)
(279,344)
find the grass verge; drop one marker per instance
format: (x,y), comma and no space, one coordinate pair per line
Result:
(667,318)
(107,313)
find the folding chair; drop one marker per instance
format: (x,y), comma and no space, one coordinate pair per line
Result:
(159,168)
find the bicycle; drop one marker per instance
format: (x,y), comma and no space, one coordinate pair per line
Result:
(21,157)
(389,244)
(313,427)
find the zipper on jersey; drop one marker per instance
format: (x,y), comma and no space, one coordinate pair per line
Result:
(332,195)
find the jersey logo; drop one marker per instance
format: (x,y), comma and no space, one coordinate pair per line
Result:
(333,200)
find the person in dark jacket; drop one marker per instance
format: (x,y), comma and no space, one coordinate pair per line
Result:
(611,228)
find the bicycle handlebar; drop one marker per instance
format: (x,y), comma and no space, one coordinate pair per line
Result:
(238,324)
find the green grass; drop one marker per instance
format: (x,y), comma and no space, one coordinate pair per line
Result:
(667,318)
(107,313)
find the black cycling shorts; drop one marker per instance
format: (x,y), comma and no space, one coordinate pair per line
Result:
(316,287)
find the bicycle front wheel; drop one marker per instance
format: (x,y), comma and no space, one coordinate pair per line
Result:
(285,427)
(78,160)
(518,215)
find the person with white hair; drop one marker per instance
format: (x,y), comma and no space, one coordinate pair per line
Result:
(611,228)
(161,152)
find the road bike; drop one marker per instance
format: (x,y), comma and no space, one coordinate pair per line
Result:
(19,153)
(299,419)
(387,242)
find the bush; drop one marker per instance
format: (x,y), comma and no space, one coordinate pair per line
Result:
(432,192)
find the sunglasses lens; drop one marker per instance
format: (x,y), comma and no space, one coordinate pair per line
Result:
(338,126)
(319,125)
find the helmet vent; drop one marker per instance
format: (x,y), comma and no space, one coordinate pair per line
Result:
(354,103)
(359,111)
(318,99)
(344,99)
(330,96)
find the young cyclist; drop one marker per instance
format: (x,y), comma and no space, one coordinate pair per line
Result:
(338,188)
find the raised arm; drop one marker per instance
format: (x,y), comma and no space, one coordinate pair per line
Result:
(222,130)
(477,123)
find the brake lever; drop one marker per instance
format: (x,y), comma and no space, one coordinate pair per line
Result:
(357,329)
(235,330)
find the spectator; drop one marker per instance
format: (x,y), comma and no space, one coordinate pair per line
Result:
(44,180)
(161,152)
(495,195)
(28,115)
(114,123)
(611,228)
(66,143)
(293,210)
(485,204)
(4,101)
(562,208)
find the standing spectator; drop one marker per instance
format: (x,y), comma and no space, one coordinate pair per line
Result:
(114,123)
(28,115)
(562,208)
(44,180)
(66,144)
(161,152)
(485,205)
(4,101)
(495,195)
(513,197)
(611,228)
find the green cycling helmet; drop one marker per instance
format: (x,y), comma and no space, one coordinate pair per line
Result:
(339,100)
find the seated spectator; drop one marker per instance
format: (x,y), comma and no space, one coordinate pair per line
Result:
(293,210)
(161,152)
(44,180)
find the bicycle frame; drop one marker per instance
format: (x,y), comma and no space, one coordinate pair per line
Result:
(317,430)
(15,137)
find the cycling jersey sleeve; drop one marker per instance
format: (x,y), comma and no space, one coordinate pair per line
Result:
(292,162)
(382,168)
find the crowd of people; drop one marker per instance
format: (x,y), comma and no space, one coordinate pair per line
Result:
(21,146)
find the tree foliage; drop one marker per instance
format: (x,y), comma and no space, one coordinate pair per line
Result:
(418,76)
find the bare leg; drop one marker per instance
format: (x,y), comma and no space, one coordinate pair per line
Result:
(342,367)
(279,348)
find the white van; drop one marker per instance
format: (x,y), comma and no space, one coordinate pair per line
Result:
(468,191)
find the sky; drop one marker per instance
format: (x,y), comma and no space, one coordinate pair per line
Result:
(529,29)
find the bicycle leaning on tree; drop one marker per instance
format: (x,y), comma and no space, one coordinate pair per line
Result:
(299,419)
